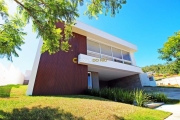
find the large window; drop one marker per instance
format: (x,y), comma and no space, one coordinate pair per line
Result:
(117,53)
(99,50)
(93,46)
(126,56)
(106,50)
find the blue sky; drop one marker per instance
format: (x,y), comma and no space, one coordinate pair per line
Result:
(145,23)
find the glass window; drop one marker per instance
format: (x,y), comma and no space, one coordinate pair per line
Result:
(106,50)
(117,53)
(89,81)
(126,55)
(128,63)
(117,60)
(93,46)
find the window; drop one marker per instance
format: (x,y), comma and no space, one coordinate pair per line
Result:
(126,56)
(117,60)
(106,50)
(89,81)
(93,46)
(117,53)
(128,63)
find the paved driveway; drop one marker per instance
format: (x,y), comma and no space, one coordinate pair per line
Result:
(173,95)
(175,109)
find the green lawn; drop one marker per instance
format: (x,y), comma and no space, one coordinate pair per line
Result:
(15,105)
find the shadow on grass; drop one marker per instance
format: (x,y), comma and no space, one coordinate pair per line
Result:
(38,113)
(118,118)
(5,91)
(85,97)
(75,96)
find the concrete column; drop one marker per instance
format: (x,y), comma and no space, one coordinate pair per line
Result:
(95,80)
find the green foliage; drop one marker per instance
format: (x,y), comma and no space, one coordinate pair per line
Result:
(159,97)
(171,49)
(126,96)
(11,33)
(44,14)
(114,94)
(168,68)
(140,97)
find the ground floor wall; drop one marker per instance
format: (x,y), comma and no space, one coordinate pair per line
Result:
(129,82)
(95,80)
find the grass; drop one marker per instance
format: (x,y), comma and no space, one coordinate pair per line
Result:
(15,105)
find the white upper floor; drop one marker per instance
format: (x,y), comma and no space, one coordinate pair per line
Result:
(106,46)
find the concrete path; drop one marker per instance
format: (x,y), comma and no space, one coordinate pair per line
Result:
(173,95)
(175,109)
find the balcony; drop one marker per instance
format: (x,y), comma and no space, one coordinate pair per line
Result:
(99,64)
(105,52)
(107,57)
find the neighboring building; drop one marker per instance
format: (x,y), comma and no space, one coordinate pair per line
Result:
(3,74)
(11,75)
(147,79)
(27,77)
(95,60)
(173,81)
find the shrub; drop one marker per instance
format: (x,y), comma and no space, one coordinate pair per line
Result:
(140,97)
(107,93)
(159,97)
(92,92)
(127,97)
(115,94)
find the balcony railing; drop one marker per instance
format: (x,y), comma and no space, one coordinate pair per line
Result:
(107,57)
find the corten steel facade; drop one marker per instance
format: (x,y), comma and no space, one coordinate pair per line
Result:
(58,74)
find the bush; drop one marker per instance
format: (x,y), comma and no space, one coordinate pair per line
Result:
(140,97)
(107,93)
(159,97)
(125,96)
(115,94)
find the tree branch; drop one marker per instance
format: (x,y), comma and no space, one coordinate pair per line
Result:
(29,12)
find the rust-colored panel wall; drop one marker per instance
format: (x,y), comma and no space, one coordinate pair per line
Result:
(58,75)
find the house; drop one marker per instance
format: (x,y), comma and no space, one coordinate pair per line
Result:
(95,60)
(172,81)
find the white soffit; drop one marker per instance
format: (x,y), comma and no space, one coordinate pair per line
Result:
(95,34)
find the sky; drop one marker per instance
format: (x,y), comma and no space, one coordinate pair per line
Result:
(144,23)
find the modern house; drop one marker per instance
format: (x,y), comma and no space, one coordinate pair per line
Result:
(95,60)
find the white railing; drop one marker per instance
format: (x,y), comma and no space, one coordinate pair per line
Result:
(107,57)
(93,54)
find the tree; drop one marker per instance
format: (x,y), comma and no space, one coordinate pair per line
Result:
(168,68)
(44,14)
(171,49)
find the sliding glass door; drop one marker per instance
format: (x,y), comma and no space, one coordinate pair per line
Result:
(89,81)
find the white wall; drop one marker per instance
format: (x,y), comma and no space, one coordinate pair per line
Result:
(171,81)
(34,69)
(27,74)
(145,81)
(10,76)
